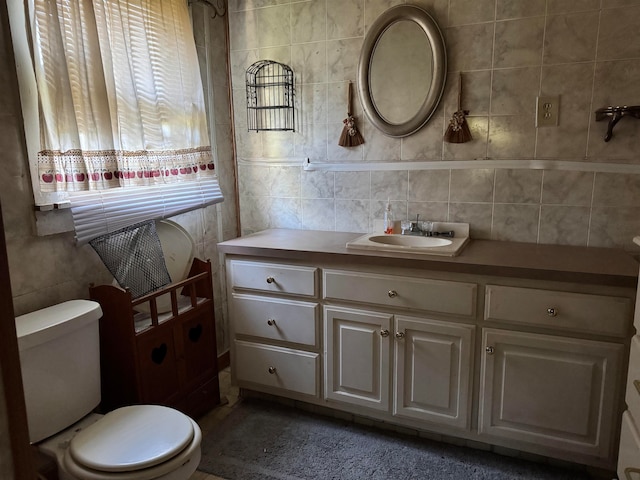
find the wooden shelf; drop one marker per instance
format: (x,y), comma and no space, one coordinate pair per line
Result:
(165,358)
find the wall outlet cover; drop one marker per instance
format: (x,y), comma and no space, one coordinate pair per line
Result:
(547,111)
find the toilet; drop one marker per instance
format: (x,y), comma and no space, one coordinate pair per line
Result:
(60,361)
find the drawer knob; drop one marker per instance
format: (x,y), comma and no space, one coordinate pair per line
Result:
(490,350)
(271,322)
(552,312)
(384,333)
(636,383)
(399,334)
(271,280)
(272,370)
(393,294)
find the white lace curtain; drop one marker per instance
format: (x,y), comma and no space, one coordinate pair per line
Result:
(120,95)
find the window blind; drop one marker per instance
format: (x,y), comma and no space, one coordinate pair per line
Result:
(104,211)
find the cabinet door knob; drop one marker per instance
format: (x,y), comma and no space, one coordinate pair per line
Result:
(636,383)
(271,322)
(271,280)
(552,312)
(384,333)
(393,294)
(399,334)
(272,370)
(490,350)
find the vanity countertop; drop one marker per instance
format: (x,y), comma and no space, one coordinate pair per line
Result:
(486,257)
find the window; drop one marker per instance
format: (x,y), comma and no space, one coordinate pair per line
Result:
(114,109)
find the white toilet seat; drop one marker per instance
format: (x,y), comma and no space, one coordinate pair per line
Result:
(139,442)
(132,438)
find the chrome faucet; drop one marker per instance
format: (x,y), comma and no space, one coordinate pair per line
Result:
(425,229)
(414,227)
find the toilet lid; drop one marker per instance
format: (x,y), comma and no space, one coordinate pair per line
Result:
(132,438)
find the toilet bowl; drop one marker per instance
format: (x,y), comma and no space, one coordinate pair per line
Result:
(59,357)
(140,442)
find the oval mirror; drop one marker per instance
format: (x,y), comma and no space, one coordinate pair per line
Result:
(402,70)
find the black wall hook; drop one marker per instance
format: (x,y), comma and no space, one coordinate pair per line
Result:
(614,114)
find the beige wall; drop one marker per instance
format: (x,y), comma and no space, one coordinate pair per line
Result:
(510,52)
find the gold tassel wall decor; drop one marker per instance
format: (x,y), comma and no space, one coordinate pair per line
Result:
(350,136)
(458,129)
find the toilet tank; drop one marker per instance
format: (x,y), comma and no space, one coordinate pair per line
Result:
(60,361)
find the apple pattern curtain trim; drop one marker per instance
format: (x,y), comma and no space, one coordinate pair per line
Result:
(79,170)
(120,94)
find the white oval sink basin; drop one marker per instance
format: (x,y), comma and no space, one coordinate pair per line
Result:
(410,241)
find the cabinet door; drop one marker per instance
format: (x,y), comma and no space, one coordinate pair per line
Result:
(197,349)
(158,367)
(357,357)
(433,364)
(553,392)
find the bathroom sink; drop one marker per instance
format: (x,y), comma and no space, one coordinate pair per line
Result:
(416,244)
(410,241)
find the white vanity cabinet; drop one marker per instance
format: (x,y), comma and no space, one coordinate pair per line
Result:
(412,366)
(525,354)
(276,333)
(629,453)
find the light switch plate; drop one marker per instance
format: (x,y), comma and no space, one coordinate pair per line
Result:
(547,111)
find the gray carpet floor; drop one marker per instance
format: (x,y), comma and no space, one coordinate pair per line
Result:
(261,440)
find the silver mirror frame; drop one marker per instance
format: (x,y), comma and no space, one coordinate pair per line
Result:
(439,55)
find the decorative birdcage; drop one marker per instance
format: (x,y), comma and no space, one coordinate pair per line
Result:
(270,97)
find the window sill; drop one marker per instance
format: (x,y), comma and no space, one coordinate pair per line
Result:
(53,221)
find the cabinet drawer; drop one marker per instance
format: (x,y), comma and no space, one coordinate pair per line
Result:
(561,310)
(633,379)
(282,368)
(455,298)
(276,319)
(271,277)
(629,456)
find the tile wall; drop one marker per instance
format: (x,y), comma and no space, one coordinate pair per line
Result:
(585,51)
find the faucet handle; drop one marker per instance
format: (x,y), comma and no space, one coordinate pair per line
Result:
(426,226)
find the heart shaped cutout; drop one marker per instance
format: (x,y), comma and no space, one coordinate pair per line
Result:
(158,354)
(195,333)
